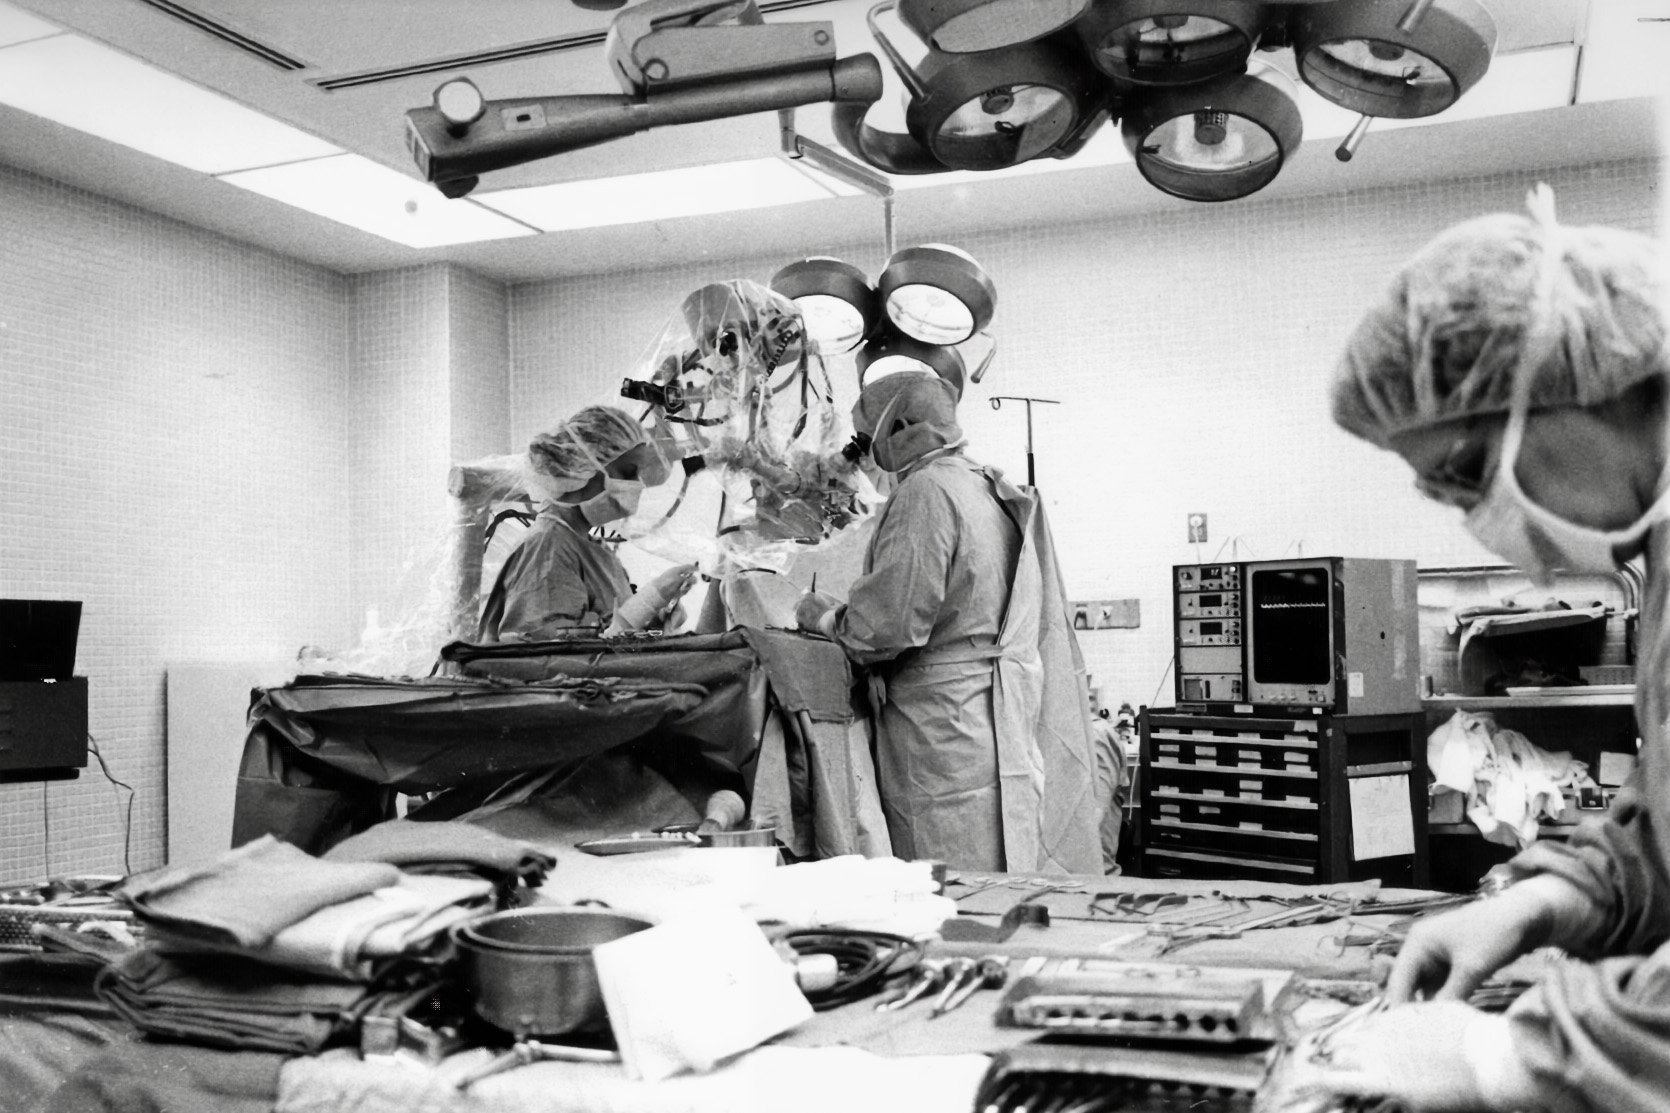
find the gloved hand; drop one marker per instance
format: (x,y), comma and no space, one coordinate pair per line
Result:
(650,603)
(809,612)
(1438,1057)
(1447,957)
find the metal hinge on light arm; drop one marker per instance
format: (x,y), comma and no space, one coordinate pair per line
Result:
(839,167)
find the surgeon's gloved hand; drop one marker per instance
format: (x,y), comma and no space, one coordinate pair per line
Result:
(651,603)
(816,612)
(1449,956)
(1440,1057)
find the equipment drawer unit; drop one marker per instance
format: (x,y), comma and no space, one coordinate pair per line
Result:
(1231,796)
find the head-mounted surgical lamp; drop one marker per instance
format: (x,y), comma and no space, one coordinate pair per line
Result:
(1216,141)
(962,26)
(677,66)
(839,305)
(1385,58)
(1170,42)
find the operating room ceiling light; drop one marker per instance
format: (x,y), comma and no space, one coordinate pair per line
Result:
(983,110)
(1401,60)
(893,353)
(835,298)
(937,294)
(1170,42)
(1218,140)
(963,26)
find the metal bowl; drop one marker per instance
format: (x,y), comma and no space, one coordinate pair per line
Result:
(530,970)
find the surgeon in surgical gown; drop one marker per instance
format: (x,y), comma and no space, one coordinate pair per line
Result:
(983,746)
(590,470)
(1519,367)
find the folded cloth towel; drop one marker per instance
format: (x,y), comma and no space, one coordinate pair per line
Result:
(444,846)
(249,894)
(226,1001)
(358,939)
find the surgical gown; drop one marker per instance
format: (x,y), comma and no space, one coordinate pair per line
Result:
(959,614)
(1596,1034)
(558,578)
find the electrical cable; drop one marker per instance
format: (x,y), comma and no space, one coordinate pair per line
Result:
(864,961)
(127,827)
(46,831)
(1162,682)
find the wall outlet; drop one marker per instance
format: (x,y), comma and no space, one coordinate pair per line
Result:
(1197,529)
(1106,614)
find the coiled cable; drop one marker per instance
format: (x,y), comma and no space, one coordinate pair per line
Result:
(864,961)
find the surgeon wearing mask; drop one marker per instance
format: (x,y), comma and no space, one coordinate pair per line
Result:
(1519,367)
(591,470)
(983,745)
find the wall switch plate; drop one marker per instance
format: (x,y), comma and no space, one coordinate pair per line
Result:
(1107,614)
(1197,529)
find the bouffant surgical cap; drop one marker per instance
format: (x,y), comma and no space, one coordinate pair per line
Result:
(1499,305)
(907,415)
(566,458)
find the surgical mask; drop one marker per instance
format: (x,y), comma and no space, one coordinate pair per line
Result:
(618,499)
(1539,541)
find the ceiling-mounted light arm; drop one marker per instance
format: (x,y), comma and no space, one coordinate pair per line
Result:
(900,66)
(683,69)
(829,160)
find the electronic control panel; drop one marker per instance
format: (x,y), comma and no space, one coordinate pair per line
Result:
(1327,633)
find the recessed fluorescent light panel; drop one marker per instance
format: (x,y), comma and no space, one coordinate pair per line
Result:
(89,87)
(368,195)
(20,27)
(659,195)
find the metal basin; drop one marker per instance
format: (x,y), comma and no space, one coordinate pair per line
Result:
(530,970)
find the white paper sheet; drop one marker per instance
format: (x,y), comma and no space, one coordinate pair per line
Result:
(1381,822)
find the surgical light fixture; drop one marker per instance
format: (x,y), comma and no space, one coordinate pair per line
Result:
(839,305)
(1231,127)
(1170,42)
(937,294)
(963,26)
(891,352)
(989,109)
(1402,60)
(677,61)
(1218,140)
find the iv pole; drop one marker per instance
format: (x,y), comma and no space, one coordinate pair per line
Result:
(997,404)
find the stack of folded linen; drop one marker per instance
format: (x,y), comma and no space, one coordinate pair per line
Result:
(448,848)
(268,947)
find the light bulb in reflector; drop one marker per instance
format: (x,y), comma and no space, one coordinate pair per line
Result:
(1032,118)
(930,314)
(835,324)
(1170,42)
(895,365)
(1222,139)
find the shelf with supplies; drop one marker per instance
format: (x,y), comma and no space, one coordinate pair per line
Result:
(1315,800)
(1558,697)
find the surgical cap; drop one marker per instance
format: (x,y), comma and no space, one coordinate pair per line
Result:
(1447,339)
(907,416)
(566,458)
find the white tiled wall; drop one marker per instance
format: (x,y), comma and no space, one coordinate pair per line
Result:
(1190,352)
(174,443)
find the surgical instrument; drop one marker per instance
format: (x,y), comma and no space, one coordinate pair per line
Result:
(990,972)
